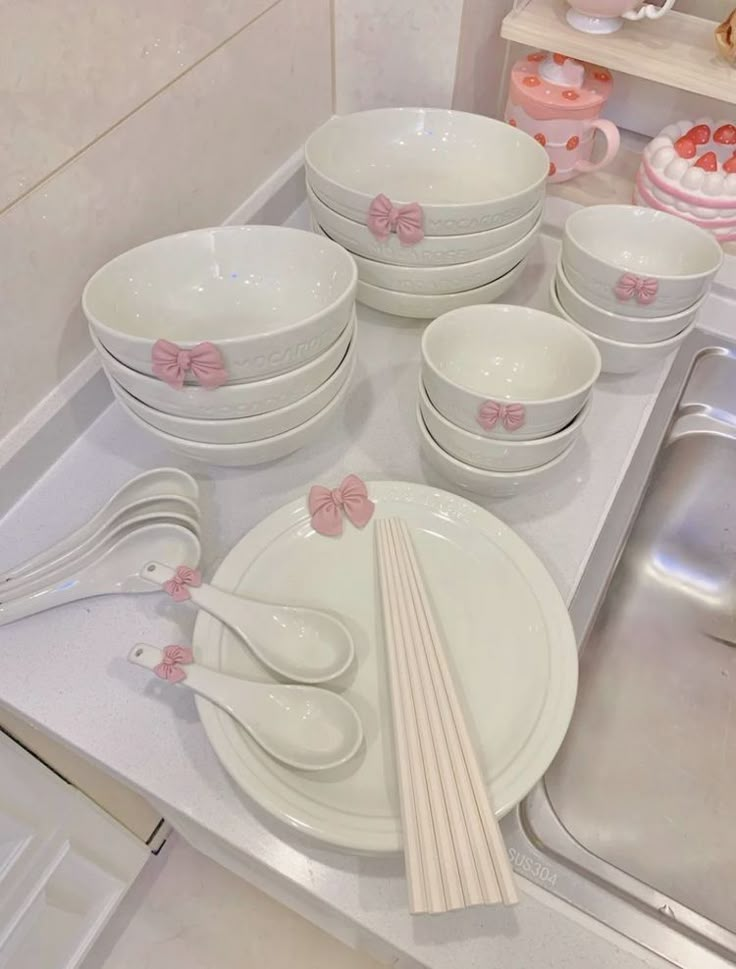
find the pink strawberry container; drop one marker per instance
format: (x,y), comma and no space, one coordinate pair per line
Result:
(558,100)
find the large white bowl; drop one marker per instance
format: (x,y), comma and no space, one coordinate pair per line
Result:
(255,452)
(431,251)
(232,400)
(496,484)
(428,307)
(243,430)
(489,455)
(508,356)
(615,326)
(618,357)
(646,263)
(443,280)
(270,298)
(468,172)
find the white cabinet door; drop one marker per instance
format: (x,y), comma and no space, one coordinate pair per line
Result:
(64,865)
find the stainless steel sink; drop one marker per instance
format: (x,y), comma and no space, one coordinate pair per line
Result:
(635,822)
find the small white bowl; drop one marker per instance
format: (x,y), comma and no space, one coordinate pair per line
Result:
(443,280)
(615,326)
(243,430)
(620,357)
(489,455)
(468,172)
(431,251)
(641,261)
(481,361)
(429,307)
(495,484)
(256,452)
(232,400)
(270,298)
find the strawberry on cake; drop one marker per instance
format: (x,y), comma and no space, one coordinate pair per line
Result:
(689,169)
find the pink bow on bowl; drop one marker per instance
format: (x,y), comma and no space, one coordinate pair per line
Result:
(170,666)
(511,416)
(177,587)
(407,221)
(631,286)
(326,506)
(171,363)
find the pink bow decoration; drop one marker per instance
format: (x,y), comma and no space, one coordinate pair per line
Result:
(631,286)
(326,506)
(177,587)
(511,416)
(170,666)
(171,364)
(407,221)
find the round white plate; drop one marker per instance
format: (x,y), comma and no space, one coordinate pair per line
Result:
(508,637)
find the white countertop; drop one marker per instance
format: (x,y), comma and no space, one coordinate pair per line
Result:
(65,670)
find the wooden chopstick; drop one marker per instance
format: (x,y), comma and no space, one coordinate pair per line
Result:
(450,832)
(417,824)
(495,849)
(432,747)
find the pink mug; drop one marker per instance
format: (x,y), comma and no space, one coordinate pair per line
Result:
(557,101)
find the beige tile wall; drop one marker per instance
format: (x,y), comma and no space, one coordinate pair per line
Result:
(70,69)
(187,157)
(390,53)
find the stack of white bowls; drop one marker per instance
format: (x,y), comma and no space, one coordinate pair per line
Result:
(233,346)
(635,280)
(440,208)
(503,396)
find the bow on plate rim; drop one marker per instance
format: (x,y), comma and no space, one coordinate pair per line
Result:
(171,363)
(327,505)
(177,586)
(407,221)
(173,657)
(644,289)
(512,416)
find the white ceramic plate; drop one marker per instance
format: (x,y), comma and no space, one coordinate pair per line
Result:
(509,639)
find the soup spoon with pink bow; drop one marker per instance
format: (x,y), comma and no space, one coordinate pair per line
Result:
(302,726)
(297,643)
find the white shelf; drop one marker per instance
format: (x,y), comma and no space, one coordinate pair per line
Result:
(677,50)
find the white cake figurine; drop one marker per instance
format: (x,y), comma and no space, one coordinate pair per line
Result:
(689,169)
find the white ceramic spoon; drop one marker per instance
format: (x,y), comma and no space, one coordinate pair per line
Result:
(179,511)
(111,568)
(161,482)
(301,726)
(298,643)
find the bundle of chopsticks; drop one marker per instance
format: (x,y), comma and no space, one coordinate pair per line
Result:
(455,855)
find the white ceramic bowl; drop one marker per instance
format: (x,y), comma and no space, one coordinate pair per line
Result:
(443,280)
(431,251)
(495,484)
(243,430)
(255,452)
(640,261)
(468,172)
(489,455)
(615,326)
(620,357)
(508,371)
(270,298)
(429,307)
(232,400)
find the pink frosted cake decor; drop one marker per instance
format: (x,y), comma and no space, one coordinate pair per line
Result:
(689,169)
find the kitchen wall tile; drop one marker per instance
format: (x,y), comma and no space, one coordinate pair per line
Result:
(70,69)
(395,52)
(185,159)
(480,57)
